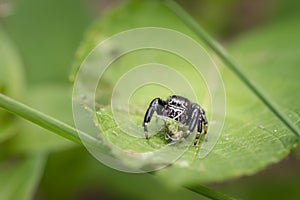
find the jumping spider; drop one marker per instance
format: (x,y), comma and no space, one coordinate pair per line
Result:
(179,109)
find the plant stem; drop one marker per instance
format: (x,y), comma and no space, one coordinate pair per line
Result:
(39,118)
(207,192)
(210,42)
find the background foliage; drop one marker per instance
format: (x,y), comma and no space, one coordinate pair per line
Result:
(38,44)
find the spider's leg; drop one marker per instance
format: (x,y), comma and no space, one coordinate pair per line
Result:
(205,123)
(202,120)
(195,111)
(156,105)
(199,130)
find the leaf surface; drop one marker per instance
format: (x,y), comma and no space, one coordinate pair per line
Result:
(252,137)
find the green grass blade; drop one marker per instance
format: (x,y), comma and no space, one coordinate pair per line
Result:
(39,118)
(207,192)
(210,42)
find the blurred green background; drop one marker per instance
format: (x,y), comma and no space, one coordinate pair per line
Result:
(38,43)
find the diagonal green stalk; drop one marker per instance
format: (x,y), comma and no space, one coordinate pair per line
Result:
(210,42)
(39,118)
(207,192)
(47,122)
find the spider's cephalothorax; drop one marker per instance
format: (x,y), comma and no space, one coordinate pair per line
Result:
(181,110)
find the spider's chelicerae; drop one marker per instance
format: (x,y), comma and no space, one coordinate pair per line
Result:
(179,109)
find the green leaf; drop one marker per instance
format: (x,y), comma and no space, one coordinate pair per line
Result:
(253,137)
(19,177)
